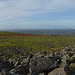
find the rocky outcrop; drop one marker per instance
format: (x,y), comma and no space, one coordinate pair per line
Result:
(43,64)
(21,69)
(58,71)
(5,64)
(54,63)
(5,72)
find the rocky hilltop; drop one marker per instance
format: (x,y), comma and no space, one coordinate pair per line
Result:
(42,63)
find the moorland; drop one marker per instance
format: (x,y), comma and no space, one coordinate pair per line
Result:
(23,49)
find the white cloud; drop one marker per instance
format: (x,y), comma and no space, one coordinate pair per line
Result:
(38,24)
(19,8)
(12,9)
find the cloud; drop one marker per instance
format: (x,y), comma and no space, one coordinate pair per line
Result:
(38,24)
(10,9)
(18,13)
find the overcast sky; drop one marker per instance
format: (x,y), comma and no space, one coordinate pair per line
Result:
(37,14)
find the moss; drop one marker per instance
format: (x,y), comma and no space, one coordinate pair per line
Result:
(71,58)
(72,65)
(4,57)
(14,57)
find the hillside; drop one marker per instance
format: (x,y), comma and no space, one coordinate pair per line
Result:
(34,42)
(18,50)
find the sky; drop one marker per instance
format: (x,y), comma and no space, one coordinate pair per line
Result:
(37,14)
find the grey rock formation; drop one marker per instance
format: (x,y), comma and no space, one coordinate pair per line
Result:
(5,64)
(21,70)
(43,64)
(58,71)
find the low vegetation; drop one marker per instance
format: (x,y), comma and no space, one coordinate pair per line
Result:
(39,53)
(33,43)
(23,43)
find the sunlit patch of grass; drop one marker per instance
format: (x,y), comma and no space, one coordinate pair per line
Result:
(33,44)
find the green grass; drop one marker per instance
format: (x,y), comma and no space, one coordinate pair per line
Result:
(38,42)
(4,32)
(33,44)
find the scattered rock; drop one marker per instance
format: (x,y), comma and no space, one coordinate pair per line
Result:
(5,72)
(21,69)
(73,56)
(54,63)
(58,71)
(42,64)
(5,64)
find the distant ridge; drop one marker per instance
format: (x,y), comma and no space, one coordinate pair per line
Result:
(18,34)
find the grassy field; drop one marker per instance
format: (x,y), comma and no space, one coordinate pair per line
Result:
(26,43)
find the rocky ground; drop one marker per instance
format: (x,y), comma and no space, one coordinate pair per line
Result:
(42,63)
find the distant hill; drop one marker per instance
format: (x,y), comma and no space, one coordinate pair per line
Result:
(3,33)
(66,32)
